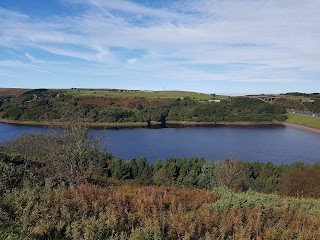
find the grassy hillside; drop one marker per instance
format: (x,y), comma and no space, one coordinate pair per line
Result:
(142,94)
(301,119)
(135,106)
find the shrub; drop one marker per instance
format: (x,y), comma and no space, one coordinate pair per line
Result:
(69,156)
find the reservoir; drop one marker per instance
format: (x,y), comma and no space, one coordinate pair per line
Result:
(277,144)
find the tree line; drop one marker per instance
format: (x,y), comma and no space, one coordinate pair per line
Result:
(296,180)
(51,105)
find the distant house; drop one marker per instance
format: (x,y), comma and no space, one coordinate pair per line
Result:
(214,100)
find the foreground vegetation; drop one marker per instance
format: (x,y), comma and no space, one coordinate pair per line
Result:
(88,211)
(63,186)
(52,105)
(302,119)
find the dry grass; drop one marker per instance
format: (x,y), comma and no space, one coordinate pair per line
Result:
(5,92)
(133,212)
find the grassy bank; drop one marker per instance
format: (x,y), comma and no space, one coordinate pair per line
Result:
(305,120)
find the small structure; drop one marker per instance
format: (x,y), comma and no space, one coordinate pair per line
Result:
(214,100)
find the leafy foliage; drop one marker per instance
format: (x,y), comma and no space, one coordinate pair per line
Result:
(231,173)
(302,181)
(68,156)
(45,105)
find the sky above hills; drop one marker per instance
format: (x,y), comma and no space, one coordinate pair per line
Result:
(213,46)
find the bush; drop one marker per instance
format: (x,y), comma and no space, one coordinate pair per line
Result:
(69,156)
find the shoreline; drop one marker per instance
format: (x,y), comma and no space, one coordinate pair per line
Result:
(302,127)
(84,124)
(134,124)
(168,123)
(189,123)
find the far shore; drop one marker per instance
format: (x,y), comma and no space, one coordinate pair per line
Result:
(302,127)
(188,123)
(133,124)
(85,124)
(172,123)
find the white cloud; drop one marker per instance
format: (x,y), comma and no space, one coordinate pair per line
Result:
(12,15)
(132,60)
(129,7)
(12,66)
(32,59)
(281,35)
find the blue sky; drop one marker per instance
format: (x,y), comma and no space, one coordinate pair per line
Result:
(212,46)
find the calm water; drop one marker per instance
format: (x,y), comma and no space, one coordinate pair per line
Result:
(278,144)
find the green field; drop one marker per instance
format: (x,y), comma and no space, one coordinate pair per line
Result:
(295,98)
(307,120)
(138,94)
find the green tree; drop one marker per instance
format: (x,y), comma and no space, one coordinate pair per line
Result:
(206,177)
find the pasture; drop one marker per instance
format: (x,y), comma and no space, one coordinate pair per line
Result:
(143,94)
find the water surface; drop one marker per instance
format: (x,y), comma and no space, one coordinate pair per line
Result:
(278,144)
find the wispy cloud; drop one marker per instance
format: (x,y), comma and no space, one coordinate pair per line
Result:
(281,36)
(33,59)
(16,55)
(9,64)
(103,9)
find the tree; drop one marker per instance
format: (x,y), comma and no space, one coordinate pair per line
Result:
(231,173)
(120,169)
(302,181)
(70,156)
(206,177)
